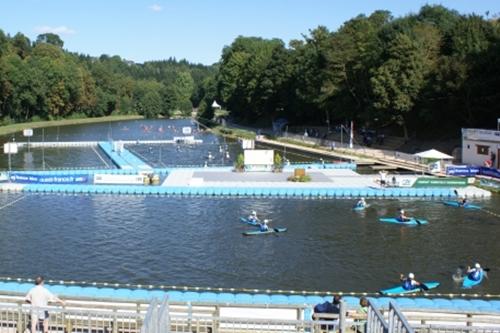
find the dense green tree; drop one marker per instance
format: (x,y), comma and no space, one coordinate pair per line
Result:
(50,38)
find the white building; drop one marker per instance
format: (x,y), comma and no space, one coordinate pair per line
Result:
(481,147)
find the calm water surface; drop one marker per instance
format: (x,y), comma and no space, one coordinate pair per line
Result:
(198,241)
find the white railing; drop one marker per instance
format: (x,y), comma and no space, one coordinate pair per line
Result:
(390,155)
(18,319)
(375,320)
(397,322)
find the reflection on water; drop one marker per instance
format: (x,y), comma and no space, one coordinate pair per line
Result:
(199,242)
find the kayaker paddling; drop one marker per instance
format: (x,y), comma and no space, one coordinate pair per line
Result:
(475,272)
(253,217)
(361,203)
(409,282)
(402,216)
(263,225)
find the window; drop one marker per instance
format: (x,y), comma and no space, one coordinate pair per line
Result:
(483,150)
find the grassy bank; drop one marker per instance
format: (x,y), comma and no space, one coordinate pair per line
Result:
(51,123)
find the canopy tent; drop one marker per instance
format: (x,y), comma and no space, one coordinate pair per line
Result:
(434,154)
(215,105)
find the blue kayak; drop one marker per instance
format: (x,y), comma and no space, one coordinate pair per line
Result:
(469,283)
(400,290)
(458,204)
(412,221)
(270,231)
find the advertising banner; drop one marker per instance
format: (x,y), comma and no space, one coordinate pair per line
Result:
(490,172)
(440,182)
(45,179)
(462,170)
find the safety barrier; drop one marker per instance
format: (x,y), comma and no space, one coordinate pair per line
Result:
(17,317)
(298,192)
(397,322)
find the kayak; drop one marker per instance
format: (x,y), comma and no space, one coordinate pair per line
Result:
(469,283)
(270,231)
(400,290)
(457,204)
(412,221)
(360,208)
(247,221)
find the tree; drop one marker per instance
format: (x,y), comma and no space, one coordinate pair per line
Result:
(398,81)
(151,105)
(50,38)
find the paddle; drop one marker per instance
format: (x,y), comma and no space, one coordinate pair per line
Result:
(423,287)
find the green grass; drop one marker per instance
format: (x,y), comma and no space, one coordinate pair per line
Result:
(233,133)
(8,129)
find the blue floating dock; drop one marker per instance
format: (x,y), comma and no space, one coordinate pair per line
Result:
(258,298)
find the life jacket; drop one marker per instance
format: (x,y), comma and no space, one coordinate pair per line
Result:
(475,275)
(408,284)
(264,227)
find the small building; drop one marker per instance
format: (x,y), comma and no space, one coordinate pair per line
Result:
(481,147)
(258,159)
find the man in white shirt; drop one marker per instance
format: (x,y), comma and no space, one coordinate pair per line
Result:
(39,298)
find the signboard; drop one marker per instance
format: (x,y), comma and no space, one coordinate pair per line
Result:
(44,179)
(462,170)
(440,182)
(490,172)
(259,157)
(247,144)
(118,179)
(10,148)
(186,130)
(28,132)
(405,181)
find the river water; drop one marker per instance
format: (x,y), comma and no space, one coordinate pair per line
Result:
(198,241)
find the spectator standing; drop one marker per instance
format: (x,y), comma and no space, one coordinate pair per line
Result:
(39,298)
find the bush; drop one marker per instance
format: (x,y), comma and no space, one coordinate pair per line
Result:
(239,164)
(278,162)
(299,179)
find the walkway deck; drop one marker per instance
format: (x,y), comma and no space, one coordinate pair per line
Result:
(62,144)
(124,159)
(358,155)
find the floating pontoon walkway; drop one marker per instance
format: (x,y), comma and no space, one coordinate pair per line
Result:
(124,159)
(225,297)
(283,192)
(62,144)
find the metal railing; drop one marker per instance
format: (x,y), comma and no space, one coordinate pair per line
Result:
(18,319)
(397,321)
(201,324)
(375,320)
(392,155)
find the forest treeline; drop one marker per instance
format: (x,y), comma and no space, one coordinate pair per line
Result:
(40,80)
(435,70)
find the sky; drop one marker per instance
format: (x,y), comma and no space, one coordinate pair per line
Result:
(196,30)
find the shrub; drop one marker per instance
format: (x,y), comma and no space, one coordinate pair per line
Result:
(299,179)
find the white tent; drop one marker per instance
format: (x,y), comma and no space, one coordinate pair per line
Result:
(434,154)
(215,105)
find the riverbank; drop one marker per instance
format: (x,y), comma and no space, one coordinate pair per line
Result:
(4,130)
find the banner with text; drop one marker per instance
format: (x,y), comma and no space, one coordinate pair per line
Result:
(45,179)
(440,182)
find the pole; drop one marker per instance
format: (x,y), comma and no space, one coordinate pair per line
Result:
(43,149)
(341,136)
(10,165)
(351,135)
